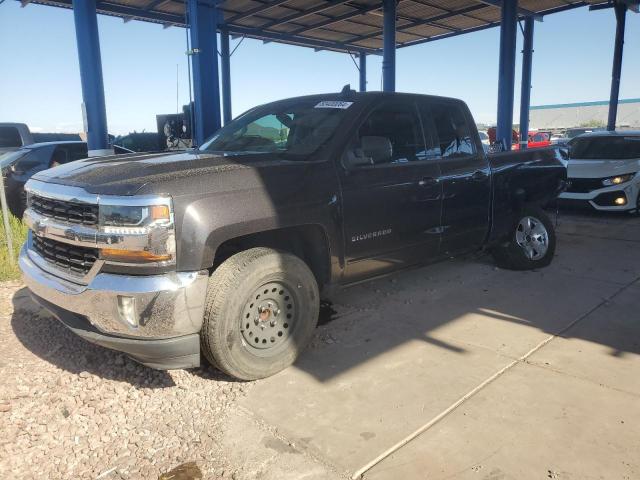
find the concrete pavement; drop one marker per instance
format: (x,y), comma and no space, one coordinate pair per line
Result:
(503,374)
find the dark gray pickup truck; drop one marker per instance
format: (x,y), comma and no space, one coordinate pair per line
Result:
(224,250)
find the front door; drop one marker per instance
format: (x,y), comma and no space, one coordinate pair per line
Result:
(391,209)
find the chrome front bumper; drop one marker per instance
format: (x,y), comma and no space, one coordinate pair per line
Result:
(165,306)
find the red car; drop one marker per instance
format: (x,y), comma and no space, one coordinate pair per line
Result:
(536,140)
(539,139)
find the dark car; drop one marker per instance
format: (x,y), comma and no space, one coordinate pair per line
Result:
(224,250)
(20,165)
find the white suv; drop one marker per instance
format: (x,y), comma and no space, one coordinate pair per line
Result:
(603,171)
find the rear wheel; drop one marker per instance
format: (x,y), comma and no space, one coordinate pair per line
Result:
(531,244)
(261,310)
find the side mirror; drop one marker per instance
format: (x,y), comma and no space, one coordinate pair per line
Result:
(379,149)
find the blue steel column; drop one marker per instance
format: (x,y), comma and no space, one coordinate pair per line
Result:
(507,71)
(88,41)
(203,23)
(363,72)
(621,14)
(525,92)
(389,46)
(225,66)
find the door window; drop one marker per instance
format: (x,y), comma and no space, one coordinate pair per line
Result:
(452,130)
(60,156)
(77,151)
(399,123)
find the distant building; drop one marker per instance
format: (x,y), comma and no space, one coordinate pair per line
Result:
(567,115)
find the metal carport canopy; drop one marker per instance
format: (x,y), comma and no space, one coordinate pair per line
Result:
(354,26)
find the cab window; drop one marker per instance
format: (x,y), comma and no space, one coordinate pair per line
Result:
(399,123)
(452,130)
(10,137)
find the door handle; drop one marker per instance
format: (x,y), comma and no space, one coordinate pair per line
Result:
(427,181)
(478,176)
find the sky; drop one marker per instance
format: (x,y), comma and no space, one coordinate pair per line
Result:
(145,65)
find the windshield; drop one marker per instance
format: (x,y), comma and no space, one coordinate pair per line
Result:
(605,148)
(296,128)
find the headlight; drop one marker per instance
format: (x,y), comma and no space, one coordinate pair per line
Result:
(607,182)
(138,233)
(139,216)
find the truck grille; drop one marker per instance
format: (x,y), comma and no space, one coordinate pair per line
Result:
(70,212)
(74,259)
(584,185)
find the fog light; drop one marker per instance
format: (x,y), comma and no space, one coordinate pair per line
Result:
(127,310)
(620,201)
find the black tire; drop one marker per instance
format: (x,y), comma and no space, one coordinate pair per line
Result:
(235,337)
(513,255)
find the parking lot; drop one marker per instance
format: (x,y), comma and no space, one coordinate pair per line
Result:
(455,370)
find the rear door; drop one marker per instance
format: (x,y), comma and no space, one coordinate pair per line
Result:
(391,210)
(465,176)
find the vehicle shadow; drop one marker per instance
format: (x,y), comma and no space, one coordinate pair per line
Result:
(460,305)
(46,337)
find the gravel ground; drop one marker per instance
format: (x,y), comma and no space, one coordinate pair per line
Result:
(69,409)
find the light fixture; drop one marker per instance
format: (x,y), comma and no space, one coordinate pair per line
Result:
(127,310)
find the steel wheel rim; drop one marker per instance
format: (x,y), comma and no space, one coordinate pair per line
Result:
(532,237)
(269,317)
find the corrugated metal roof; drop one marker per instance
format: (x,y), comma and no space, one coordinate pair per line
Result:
(340,25)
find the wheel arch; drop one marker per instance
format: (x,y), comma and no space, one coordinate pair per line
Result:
(309,242)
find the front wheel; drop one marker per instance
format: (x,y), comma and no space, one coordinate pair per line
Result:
(531,244)
(261,310)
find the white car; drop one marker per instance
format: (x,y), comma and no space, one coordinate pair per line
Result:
(603,171)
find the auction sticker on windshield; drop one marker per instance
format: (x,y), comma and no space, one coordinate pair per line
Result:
(334,104)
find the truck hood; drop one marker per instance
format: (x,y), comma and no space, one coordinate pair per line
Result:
(128,174)
(601,168)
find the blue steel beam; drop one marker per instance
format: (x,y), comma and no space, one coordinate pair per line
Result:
(88,42)
(203,23)
(225,66)
(507,71)
(525,91)
(363,71)
(616,71)
(389,46)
